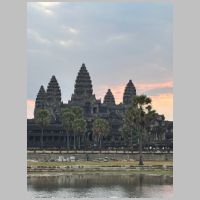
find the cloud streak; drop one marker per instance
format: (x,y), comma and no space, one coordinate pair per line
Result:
(46,8)
(118,90)
(69,29)
(144,87)
(34,35)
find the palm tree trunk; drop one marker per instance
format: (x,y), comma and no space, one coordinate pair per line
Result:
(41,139)
(79,141)
(100,144)
(125,141)
(74,141)
(67,140)
(99,141)
(131,139)
(86,141)
(140,150)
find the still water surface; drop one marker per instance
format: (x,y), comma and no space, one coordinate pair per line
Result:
(97,185)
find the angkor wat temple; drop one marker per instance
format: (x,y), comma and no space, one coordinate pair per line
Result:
(83,96)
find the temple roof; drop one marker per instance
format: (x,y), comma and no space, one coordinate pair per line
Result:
(41,94)
(53,89)
(41,98)
(129,92)
(109,98)
(83,84)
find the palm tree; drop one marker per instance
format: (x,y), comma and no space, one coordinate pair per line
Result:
(42,117)
(67,121)
(129,128)
(77,111)
(79,127)
(78,121)
(125,130)
(100,128)
(139,116)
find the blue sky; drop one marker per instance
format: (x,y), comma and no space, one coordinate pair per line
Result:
(116,41)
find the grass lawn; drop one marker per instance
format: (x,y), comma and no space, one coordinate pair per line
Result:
(98,163)
(104,164)
(119,172)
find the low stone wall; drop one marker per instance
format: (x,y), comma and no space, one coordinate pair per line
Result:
(65,156)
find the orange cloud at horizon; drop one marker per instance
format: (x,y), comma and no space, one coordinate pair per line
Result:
(143,87)
(30,108)
(162,103)
(118,90)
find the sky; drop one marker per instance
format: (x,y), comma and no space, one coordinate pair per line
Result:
(116,41)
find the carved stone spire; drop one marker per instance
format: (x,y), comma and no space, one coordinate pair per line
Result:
(40,102)
(109,98)
(83,85)
(54,98)
(129,93)
(53,90)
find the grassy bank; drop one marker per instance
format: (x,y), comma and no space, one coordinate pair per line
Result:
(99,163)
(95,167)
(117,172)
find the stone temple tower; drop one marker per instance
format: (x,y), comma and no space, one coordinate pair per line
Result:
(83,93)
(53,96)
(83,87)
(129,93)
(109,98)
(40,102)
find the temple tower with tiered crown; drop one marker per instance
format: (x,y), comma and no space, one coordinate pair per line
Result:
(109,98)
(129,93)
(83,85)
(40,102)
(83,93)
(53,96)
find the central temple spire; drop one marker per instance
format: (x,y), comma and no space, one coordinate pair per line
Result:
(83,84)
(129,92)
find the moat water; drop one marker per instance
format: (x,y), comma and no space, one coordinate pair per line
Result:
(99,185)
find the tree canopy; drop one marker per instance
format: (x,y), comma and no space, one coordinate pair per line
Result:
(138,118)
(42,117)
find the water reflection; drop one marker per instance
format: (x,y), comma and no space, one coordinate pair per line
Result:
(99,185)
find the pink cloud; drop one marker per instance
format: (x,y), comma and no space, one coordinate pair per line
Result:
(30,108)
(163,103)
(143,87)
(118,90)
